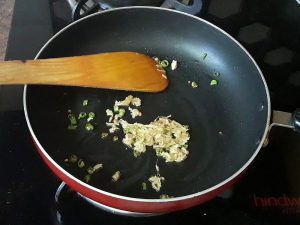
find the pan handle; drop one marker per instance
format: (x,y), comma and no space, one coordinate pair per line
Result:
(285,119)
(194,8)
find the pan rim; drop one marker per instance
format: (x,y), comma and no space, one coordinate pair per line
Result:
(133,199)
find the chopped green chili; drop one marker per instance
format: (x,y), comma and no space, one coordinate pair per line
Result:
(80,163)
(73,158)
(115,138)
(121,112)
(213,83)
(164,63)
(90,170)
(116,108)
(87,178)
(91,116)
(85,102)
(82,115)
(72,119)
(89,127)
(104,135)
(159,151)
(144,186)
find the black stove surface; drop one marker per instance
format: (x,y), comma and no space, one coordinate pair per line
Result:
(269,193)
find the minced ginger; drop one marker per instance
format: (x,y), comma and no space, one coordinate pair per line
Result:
(167,137)
(113,121)
(156,182)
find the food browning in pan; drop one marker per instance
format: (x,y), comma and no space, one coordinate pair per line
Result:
(89,170)
(168,138)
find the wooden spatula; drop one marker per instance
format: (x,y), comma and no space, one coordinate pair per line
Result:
(117,70)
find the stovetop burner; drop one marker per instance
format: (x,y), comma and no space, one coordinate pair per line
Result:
(82,8)
(86,213)
(259,198)
(67,201)
(269,194)
(63,194)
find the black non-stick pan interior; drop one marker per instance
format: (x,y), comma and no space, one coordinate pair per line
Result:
(226,121)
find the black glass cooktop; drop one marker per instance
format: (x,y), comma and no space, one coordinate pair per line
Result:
(269,193)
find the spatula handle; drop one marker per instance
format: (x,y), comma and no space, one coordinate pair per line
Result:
(61,71)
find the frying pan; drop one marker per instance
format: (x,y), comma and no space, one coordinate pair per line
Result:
(228,122)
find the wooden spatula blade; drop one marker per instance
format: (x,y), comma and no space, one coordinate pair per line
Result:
(116,70)
(127,71)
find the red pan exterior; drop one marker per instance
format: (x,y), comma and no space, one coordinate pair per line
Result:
(135,206)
